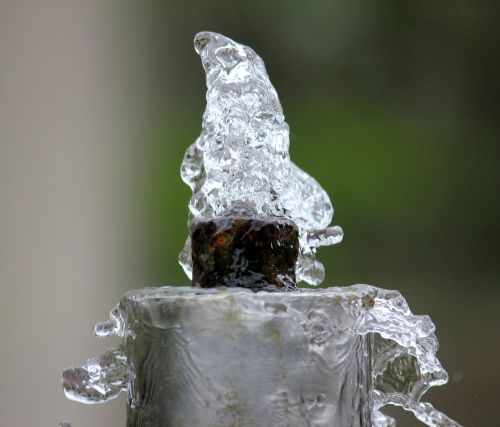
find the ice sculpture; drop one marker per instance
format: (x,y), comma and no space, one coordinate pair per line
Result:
(237,354)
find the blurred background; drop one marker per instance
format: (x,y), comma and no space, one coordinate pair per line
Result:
(393,108)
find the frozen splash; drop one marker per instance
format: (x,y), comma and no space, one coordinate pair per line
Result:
(99,379)
(240,164)
(325,325)
(404,361)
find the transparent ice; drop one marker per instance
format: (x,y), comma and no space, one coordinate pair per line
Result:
(318,357)
(240,164)
(232,357)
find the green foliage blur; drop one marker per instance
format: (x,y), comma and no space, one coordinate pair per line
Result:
(393,107)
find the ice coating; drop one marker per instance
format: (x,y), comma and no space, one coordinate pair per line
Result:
(323,336)
(240,164)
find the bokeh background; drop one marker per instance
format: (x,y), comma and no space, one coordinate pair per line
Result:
(393,107)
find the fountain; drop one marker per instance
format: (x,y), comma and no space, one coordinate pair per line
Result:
(244,346)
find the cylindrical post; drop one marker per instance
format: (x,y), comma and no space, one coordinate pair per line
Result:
(231,357)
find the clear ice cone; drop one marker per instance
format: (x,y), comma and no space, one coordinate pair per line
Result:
(240,164)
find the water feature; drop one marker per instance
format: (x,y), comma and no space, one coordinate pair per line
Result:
(251,349)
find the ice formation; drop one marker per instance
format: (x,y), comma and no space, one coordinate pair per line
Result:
(323,336)
(240,164)
(315,357)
